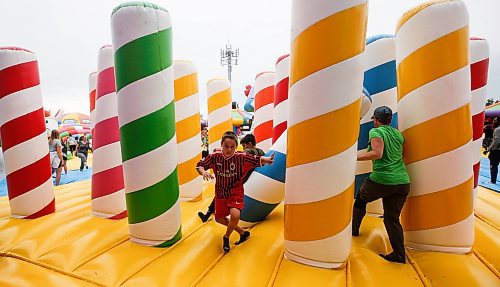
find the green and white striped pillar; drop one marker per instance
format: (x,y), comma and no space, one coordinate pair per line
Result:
(142,39)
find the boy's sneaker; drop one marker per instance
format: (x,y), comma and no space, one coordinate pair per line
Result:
(392,257)
(204,217)
(225,244)
(243,237)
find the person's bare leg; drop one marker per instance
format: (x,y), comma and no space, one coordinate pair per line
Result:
(58,176)
(225,239)
(65,168)
(221,220)
(233,222)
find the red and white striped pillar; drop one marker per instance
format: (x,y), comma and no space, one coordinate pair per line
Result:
(280,113)
(24,139)
(264,106)
(479,59)
(108,188)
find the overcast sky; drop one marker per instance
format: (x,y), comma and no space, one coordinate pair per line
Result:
(66,36)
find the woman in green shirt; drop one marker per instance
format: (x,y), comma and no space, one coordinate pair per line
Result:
(388,180)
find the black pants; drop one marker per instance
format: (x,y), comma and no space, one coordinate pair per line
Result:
(393,199)
(494,158)
(211,207)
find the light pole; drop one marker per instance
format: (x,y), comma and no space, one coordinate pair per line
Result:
(229,57)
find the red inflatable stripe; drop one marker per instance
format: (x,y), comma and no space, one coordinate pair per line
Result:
(263,131)
(477,126)
(18,77)
(120,215)
(479,74)
(107,182)
(48,209)
(278,130)
(29,177)
(105,82)
(15,132)
(281,91)
(264,97)
(92,100)
(108,132)
(476,173)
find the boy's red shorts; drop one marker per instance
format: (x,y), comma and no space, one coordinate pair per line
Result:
(222,205)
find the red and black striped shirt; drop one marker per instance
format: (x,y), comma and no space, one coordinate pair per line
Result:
(229,171)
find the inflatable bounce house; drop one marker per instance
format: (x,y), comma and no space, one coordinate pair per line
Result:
(242,120)
(75,124)
(135,222)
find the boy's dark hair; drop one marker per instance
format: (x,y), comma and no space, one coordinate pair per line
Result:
(249,138)
(229,135)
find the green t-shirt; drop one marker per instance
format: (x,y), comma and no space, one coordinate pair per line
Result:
(390,169)
(254,151)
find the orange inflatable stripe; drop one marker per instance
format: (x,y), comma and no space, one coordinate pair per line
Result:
(308,57)
(318,220)
(216,132)
(438,136)
(263,131)
(264,97)
(219,100)
(187,170)
(409,14)
(438,209)
(185,86)
(197,198)
(433,61)
(323,140)
(188,128)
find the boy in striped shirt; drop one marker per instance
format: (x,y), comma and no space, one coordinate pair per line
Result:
(230,167)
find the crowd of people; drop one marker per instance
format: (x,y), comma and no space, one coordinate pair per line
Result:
(491,145)
(58,150)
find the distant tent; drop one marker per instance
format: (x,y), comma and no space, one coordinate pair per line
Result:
(492,111)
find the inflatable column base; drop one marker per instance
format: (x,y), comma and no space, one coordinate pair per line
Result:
(309,262)
(158,243)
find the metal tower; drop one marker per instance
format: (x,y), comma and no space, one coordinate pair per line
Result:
(229,57)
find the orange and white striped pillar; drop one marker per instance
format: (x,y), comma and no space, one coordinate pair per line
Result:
(326,78)
(264,106)
(219,111)
(432,60)
(24,139)
(479,60)
(281,82)
(187,122)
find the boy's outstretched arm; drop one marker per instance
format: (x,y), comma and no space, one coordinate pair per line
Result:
(206,175)
(267,159)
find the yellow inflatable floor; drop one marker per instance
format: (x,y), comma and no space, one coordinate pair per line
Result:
(72,248)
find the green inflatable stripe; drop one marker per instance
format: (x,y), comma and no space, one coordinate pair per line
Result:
(174,239)
(136,4)
(152,201)
(136,136)
(151,53)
